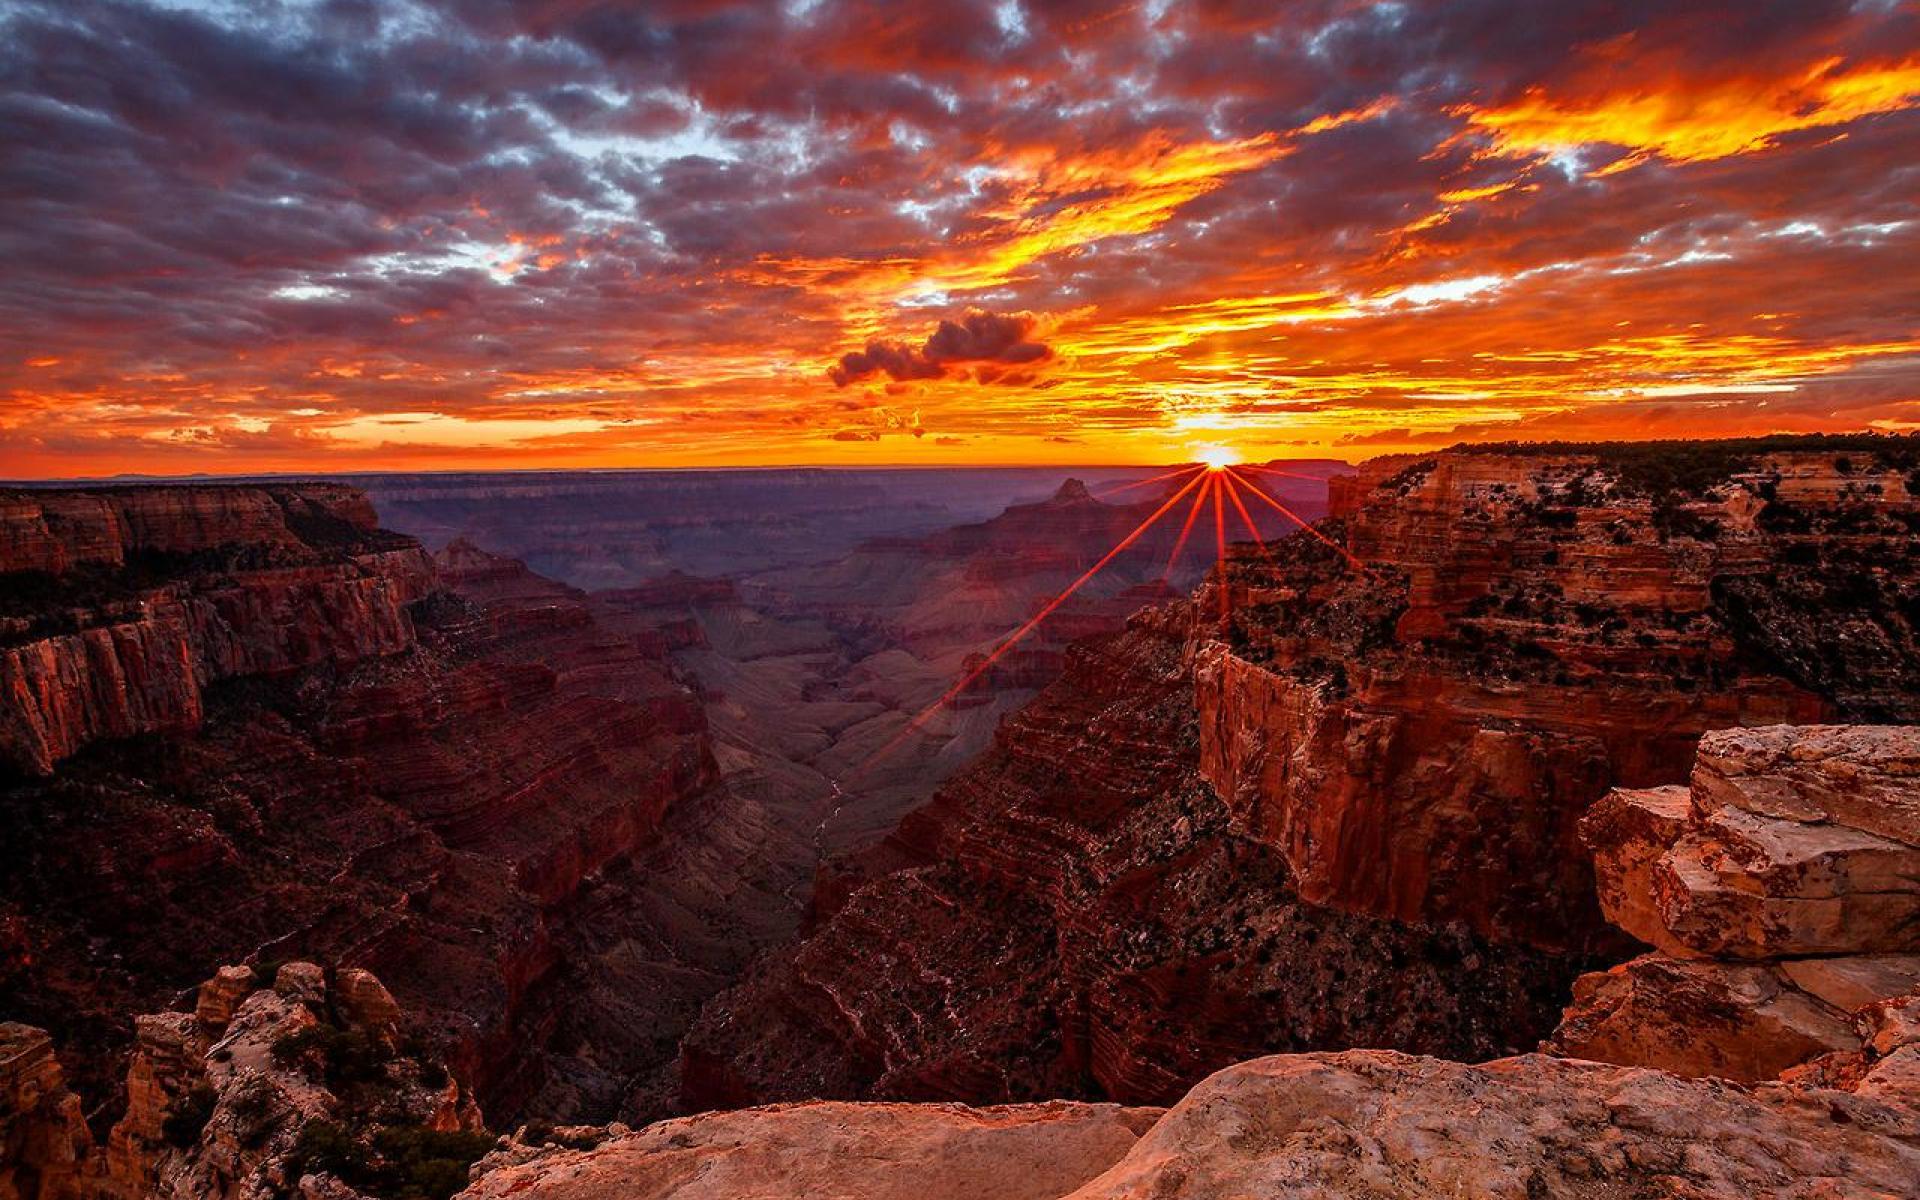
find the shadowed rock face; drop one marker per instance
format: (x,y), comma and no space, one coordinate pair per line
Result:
(343,758)
(1075,918)
(1345,815)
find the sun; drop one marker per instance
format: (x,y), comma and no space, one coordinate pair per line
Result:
(1216,458)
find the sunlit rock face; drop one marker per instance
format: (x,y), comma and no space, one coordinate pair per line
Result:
(1360,1123)
(315,743)
(122,605)
(1782,889)
(1347,812)
(1419,742)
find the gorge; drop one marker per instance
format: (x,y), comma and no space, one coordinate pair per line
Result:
(1367,831)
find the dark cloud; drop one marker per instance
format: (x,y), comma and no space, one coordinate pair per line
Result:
(988,342)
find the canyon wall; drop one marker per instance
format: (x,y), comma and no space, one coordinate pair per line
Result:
(124,604)
(1420,739)
(245,724)
(1345,814)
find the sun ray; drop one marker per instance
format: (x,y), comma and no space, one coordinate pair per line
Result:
(1139,483)
(1253,530)
(1220,540)
(1295,517)
(1193,514)
(1033,623)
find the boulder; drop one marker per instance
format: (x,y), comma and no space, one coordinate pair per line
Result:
(871,1151)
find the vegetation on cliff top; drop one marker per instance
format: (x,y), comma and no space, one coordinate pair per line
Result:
(1693,466)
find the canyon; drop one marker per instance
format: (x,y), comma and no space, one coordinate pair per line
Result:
(1345,813)
(305,1083)
(1543,821)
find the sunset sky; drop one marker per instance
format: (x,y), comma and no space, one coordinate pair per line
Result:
(249,235)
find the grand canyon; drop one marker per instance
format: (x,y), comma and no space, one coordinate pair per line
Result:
(1528,777)
(959,600)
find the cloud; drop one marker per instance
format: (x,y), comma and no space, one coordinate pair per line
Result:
(988,342)
(518,232)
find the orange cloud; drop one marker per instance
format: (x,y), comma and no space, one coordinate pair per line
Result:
(1685,121)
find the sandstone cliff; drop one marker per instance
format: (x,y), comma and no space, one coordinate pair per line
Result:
(123,605)
(273,729)
(1347,814)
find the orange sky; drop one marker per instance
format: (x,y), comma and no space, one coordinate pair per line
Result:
(469,233)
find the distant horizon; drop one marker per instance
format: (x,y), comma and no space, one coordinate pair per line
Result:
(686,470)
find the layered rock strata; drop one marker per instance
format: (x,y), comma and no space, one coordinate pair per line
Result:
(446,783)
(1781,888)
(1346,811)
(123,605)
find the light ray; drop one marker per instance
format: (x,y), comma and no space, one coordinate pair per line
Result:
(1033,623)
(1295,517)
(1193,514)
(1220,540)
(1253,530)
(1138,483)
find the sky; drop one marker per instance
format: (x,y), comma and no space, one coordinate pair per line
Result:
(262,235)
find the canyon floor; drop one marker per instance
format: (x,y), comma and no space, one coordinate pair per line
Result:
(1545,822)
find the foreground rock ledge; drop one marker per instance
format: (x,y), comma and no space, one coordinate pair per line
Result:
(1360,1123)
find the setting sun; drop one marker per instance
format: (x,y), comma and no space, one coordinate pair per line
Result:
(1216,458)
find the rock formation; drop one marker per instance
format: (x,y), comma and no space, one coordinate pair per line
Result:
(44,1140)
(295,1086)
(1347,814)
(1782,889)
(281,731)
(1359,1123)
(123,605)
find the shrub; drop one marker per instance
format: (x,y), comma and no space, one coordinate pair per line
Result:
(188,1118)
(346,1055)
(398,1162)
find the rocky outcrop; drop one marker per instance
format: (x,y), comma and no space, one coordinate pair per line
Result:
(873,1151)
(44,1140)
(1782,889)
(1360,1123)
(1420,738)
(283,1094)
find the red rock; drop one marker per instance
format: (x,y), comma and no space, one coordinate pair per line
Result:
(44,1141)
(1766,864)
(1360,1123)
(1388,753)
(872,1151)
